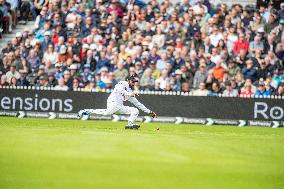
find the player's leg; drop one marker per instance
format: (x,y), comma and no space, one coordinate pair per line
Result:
(133,112)
(111,109)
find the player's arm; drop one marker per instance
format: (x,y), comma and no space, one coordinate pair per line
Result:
(139,105)
(120,88)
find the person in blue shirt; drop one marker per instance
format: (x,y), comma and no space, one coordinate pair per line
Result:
(103,61)
(262,91)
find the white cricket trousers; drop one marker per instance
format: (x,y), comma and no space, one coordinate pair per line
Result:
(113,108)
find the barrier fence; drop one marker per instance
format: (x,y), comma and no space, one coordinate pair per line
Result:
(178,108)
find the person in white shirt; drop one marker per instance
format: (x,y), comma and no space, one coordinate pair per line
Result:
(229,91)
(199,8)
(163,80)
(202,91)
(12,73)
(215,36)
(122,92)
(61,86)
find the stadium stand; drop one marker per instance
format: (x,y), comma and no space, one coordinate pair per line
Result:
(207,49)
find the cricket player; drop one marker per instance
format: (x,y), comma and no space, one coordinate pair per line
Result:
(122,92)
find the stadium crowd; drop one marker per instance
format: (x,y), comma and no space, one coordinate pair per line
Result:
(202,47)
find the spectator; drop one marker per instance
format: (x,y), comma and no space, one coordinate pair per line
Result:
(12,73)
(233,69)
(4,81)
(261,91)
(99,83)
(175,80)
(103,61)
(159,39)
(280,90)
(256,44)
(201,91)
(67,79)
(25,9)
(247,91)
(147,81)
(6,17)
(22,81)
(185,87)
(215,91)
(120,73)
(200,76)
(249,72)
(43,81)
(61,86)
(155,72)
(51,79)
(263,71)
(229,91)
(218,71)
(240,44)
(50,55)
(76,84)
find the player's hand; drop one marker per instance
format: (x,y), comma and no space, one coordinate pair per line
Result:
(153,114)
(135,94)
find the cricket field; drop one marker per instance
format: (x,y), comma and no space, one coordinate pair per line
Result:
(74,154)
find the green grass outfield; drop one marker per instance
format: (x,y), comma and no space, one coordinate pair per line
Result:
(59,154)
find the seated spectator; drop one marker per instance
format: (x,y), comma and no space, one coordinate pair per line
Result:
(42,18)
(25,9)
(175,80)
(22,81)
(263,71)
(218,71)
(58,71)
(261,91)
(13,82)
(159,39)
(249,72)
(67,79)
(51,80)
(111,78)
(120,73)
(215,91)
(240,44)
(257,44)
(229,91)
(91,86)
(103,61)
(76,85)
(61,86)
(247,91)
(50,55)
(155,72)
(200,76)
(185,87)
(233,69)
(216,36)
(99,83)
(43,81)
(12,73)
(280,91)
(201,91)
(6,17)
(4,81)
(147,81)
(162,80)
(178,61)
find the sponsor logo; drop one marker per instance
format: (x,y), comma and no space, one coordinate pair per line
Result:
(35,103)
(263,111)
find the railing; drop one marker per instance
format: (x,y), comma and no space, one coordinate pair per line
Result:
(147,92)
